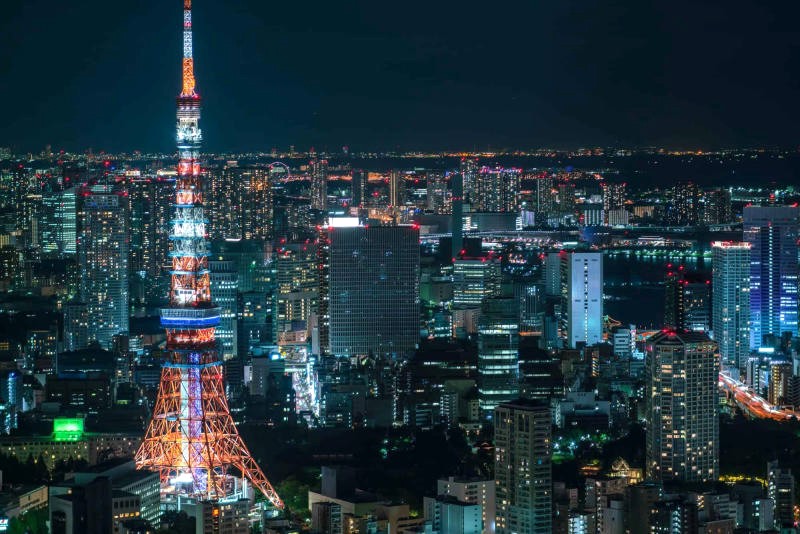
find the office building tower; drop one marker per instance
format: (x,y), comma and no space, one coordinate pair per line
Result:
(498,353)
(475,491)
(76,326)
(468,168)
(358,185)
(58,223)
(582,297)
(682,407)
(717,206)
(731,301)
(438,196)
(318,171)
(297,286)
(780,375)
(566,197)
(191,439)
(496,189)
(522,467)
(457,216)
(241,205)
(225,288)
(151,202)
(780,488)
(687,298)
(475,279)
(772,233)
(614,196)
(103,260)
(448,514)
(397,189)
(374,290)
(546,198)
(320,337)
(683,208)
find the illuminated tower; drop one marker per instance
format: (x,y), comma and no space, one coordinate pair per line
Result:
(192,440)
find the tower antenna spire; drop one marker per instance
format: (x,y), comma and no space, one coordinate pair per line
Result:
(188,61)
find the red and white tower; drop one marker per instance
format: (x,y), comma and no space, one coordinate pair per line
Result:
(192,439)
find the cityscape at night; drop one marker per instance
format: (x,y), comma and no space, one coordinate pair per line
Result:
(358,307)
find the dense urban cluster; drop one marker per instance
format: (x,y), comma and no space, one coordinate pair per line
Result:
(515,342)
(467,301)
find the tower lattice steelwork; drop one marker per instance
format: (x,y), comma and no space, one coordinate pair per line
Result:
(192,440)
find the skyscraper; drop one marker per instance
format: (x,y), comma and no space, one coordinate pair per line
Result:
(523,467)
(582,297)
(397,189)
(498,353)
(358,186)
(437,193)
(241,203)
(772,233)
(103,260)
(225,288)
(296,287)
(468,168)
(318,168)
(374,290)
(496,189)
(682,407)
(731,301)
(58,223)
(475,279)
(687,300)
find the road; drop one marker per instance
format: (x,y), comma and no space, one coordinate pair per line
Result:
(751,402)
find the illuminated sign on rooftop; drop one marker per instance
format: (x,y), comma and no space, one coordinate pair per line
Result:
(67,428)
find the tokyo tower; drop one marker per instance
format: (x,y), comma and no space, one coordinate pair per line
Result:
(192,440)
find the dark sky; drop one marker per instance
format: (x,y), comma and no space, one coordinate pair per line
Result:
(399,75)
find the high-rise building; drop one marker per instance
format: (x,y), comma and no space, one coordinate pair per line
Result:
(241,204)
(684,205)
(687,300)
(297,286)
(582,297)
(731,301)
(772,233)
(781,489)
(438,196)
(358,186)
(496,189)
(58,222)
(397,189)
(682,407)
(475,491)
(318,169)
(614,196)
(523,467)
(498,353)
(76,326)
(546,196)
(468,168)
(374,290)
(717,206)
(225,288)
(103,260)
(457,216)
(475,279)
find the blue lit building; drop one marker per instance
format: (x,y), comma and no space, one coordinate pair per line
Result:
(772,233)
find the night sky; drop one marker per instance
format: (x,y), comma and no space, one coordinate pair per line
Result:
(430,74)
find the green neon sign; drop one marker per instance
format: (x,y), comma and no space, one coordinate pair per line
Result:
(67,429)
